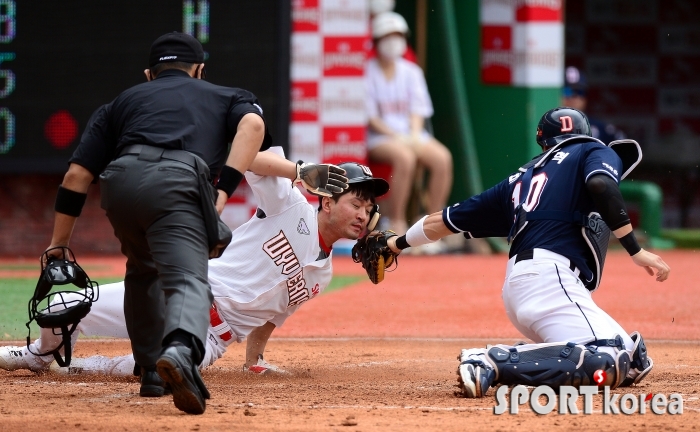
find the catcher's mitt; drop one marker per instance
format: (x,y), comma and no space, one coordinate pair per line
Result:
(374,254)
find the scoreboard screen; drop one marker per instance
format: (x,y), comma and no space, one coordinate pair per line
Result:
(61,60)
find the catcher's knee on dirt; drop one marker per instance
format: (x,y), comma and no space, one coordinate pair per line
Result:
(557,364)
(641,363)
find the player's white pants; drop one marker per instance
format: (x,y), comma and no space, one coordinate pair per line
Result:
(106,319)
(546,302)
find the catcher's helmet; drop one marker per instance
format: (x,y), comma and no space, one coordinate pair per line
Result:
(561,123)
(357,173)
(61,310)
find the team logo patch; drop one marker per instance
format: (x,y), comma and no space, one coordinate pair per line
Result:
(366,170)
(302,228)
(567,124)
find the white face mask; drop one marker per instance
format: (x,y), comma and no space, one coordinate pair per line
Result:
(392,47)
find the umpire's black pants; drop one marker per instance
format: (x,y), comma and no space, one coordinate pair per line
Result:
(154,208)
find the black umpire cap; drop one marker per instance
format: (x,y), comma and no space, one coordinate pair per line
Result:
(176,47)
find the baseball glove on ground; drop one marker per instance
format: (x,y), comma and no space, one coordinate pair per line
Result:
(374,254)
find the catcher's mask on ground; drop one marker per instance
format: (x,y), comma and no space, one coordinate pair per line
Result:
(61,310)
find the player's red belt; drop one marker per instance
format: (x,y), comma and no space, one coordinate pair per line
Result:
(219,326)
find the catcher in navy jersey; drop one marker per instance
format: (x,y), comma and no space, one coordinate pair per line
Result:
(558,211)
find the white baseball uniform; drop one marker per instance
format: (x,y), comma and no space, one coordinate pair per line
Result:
(276,261)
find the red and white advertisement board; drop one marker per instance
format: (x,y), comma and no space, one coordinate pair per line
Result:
(330,40)
(329,44)
(522,42)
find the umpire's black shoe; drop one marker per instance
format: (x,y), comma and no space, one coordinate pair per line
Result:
(178,370)
(152,385)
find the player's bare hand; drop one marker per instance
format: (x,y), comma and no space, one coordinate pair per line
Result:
(221,201)
(652,262)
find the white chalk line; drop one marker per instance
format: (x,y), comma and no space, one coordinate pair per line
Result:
(485,341)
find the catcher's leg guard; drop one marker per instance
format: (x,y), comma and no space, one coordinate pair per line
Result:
(641,363)
(556,364)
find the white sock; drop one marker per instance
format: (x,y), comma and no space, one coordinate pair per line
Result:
(101,365)
(35,362)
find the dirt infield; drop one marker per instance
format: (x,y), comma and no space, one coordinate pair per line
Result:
(335,384)
(370,358)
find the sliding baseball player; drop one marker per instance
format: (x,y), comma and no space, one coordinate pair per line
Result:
(276,261)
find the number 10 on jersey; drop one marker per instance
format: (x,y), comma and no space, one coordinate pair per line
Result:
(533,194)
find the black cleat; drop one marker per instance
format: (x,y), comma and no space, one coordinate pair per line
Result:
(176,368)
(152,385)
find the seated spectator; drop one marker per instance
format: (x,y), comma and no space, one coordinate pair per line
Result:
(377,7)
(398,104)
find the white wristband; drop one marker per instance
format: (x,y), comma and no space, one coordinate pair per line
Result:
(415,236)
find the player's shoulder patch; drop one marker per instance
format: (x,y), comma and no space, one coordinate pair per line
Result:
(514,177)
(610,168)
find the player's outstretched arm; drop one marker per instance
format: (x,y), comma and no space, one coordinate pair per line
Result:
(641,257)
(319,179)
(607,197)
(427,230)
(268,163)
(256,342)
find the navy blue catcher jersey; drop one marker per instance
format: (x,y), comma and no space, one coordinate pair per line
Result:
(558,185)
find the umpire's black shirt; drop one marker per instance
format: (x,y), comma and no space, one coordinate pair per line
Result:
(174,111)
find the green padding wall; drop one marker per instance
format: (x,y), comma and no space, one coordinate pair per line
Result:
(504,119)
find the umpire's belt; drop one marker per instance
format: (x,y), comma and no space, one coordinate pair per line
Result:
(155,154)
(547,255)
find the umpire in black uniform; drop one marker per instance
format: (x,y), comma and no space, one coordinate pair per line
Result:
(150,147)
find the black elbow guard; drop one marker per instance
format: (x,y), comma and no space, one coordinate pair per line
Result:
(69,202)
(608,200)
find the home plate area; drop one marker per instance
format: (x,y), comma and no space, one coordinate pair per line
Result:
(366,384)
